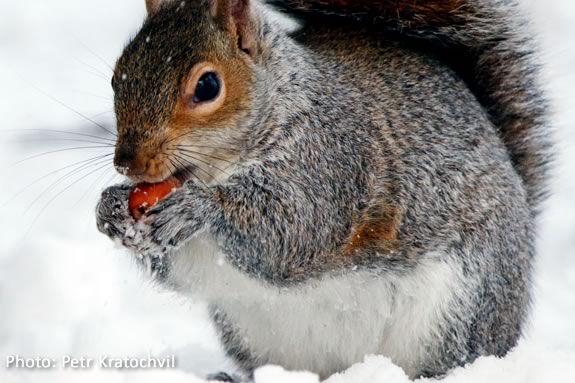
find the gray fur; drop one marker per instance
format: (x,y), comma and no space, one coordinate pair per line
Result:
(348,127)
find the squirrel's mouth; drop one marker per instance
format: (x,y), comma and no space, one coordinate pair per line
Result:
(181,174)
(185,173)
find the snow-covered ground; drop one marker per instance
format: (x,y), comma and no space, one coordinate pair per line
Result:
(65,289)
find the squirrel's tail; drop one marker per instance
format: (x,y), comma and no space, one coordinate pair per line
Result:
(485,41)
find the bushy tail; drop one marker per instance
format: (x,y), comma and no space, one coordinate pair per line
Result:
(486,41)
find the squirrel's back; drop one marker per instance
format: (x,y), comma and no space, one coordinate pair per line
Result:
(486,42)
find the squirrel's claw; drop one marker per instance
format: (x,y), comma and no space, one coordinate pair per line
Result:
(167,226)
(112,214)
(113,218)
(173,221)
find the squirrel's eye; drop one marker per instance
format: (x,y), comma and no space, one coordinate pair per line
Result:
(204,90)
(207,88)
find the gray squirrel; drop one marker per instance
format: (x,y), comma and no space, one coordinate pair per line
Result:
(367,182)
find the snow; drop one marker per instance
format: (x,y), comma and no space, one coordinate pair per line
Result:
(67,290)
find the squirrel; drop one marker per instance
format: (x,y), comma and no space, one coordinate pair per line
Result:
(367,181)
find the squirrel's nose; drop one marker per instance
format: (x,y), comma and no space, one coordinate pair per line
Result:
(127,161)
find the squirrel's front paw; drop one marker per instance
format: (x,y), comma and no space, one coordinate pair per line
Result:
(112,214)
(173,221)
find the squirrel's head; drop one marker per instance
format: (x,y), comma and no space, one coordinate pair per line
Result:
(182,88)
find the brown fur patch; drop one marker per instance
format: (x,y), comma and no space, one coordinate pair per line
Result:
(237,77)
(375,230)
(152,6)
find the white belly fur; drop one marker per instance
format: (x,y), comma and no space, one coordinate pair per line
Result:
(326,325)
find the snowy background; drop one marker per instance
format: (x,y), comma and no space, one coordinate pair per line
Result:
(65,289)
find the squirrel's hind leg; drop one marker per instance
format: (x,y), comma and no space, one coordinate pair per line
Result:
(234,346)
(224,377)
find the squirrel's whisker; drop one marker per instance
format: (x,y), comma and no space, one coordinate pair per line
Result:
(208,147)
(206,155)
(96,55)
(74,111)
(75,182)
(66,176)
(55,139)
(55,131)
(97,190)
(97,74)
(205,132)
(204,162)
(98,96)
(76,164)
(60,151)
(188,166)
(92,186)
(102,113)
(69,107)
(94,70)
(187,171)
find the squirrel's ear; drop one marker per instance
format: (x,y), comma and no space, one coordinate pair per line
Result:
(152,6)
(238,18)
